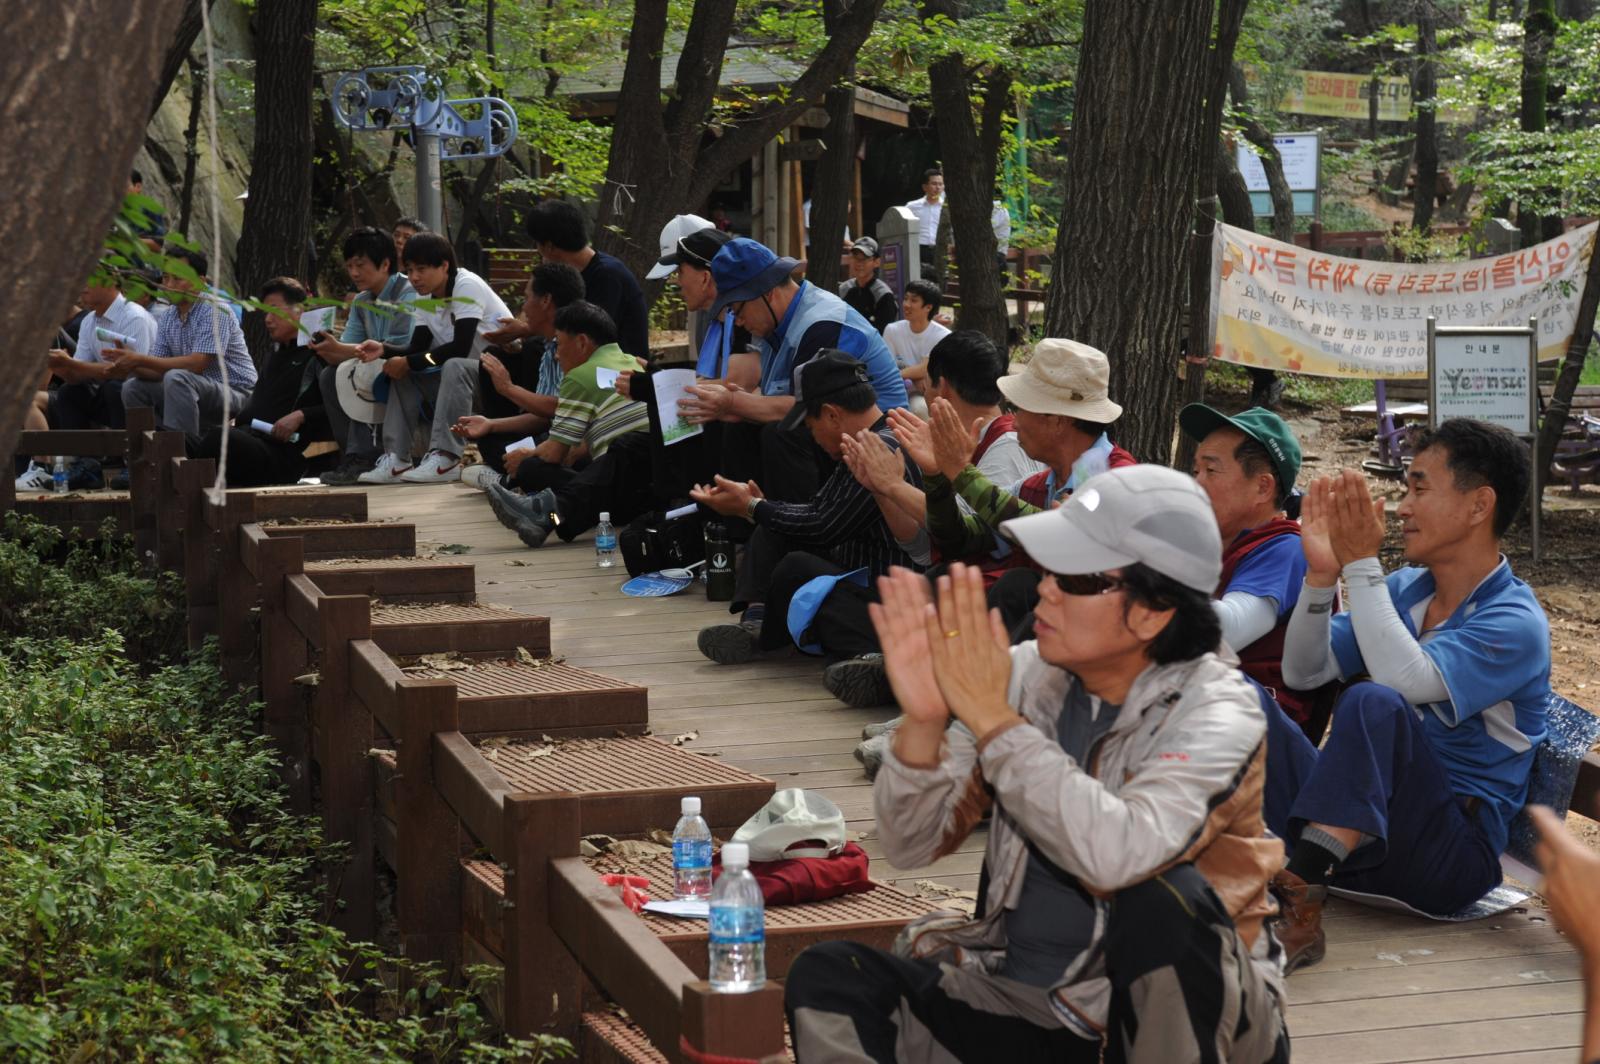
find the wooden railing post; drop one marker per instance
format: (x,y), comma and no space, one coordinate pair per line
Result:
(148,453)
(284,656)
(344,738)
(427,851)
(543,982)
(236,590)
(169,515)
(743,1026)
(199,550)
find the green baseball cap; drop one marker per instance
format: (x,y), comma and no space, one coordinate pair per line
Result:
(1198,421)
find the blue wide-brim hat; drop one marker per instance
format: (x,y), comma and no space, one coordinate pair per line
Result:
(746,268)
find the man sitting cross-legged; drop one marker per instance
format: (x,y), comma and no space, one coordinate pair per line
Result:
(518,389)
(839,535)
(1121,758)
(589,420)
(1412,793)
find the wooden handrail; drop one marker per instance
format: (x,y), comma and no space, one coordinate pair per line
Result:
(375,679)
(300,600)
(472,787)
(251,537)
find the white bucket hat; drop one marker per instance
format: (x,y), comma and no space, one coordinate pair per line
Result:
(1064,377)
(793,816)
(354,380)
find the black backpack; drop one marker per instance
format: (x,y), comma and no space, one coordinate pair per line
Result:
(654,542)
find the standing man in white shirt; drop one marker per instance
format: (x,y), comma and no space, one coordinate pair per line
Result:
(914,336)
(1000,222)
(928,207)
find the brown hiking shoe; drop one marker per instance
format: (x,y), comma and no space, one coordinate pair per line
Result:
(1299,926)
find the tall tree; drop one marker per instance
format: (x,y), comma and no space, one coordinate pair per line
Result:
(1538,38)
(970,152)
(1424,93)
(1260,137)
(86,57)
(658,166)
(1132,157)
(277,216)
(830,198)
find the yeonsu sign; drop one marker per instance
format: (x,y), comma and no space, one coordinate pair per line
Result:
(1279,306)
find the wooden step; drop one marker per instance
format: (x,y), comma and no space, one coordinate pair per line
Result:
(79,513)
(301,503)
(608,1038)
(396,579)
(873,918)
(350,539)
(511,698)
(465,628)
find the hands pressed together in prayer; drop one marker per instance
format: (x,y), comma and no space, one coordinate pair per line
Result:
(946,658)
(942,444)
(873,462)
(1339,523)
(708,401)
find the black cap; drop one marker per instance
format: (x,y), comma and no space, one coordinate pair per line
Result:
(830,372)
(697,249)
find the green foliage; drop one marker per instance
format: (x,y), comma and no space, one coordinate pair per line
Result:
(156,897)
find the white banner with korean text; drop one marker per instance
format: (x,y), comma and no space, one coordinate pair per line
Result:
(1278,306)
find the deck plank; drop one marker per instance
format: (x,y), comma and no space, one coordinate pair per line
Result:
(1392,989)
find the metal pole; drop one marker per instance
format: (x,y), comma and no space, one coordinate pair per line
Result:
(430,207)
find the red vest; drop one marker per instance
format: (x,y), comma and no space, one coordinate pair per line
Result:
(1262,660)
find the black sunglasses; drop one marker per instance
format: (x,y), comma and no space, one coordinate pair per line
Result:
(1088,583)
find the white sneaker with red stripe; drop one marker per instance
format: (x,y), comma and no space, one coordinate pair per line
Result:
(436,467)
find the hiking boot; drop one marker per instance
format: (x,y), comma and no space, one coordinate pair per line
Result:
(872,731)
(533,531)
(859,682)
(870,753)
(436,467)
(1299,924)
(349,469)
(730,644)
(511,506)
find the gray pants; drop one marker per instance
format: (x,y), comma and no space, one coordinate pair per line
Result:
(356,439)
(184,401)
(449,393)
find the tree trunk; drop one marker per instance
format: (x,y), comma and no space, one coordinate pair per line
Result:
(1230,17)
(1423,93)
(970,158)
(1538,37)
(1271,162)
(109,75)
(830,198)
(1232,194)
(657,166)
(191,143)
(277,216)
(177,50)
(1555,415)
(1128,191)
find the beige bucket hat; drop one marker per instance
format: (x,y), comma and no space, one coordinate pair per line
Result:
(1064,377)
(354,380)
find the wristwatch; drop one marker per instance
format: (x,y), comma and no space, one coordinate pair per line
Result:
(750,510)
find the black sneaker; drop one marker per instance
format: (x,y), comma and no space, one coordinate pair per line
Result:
(533,531)
(350,467)
(84,474)
(119,480)
(859,682)
(731,644)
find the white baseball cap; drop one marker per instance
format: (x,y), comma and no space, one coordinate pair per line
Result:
(1140,513)
(680,226)
(792,817)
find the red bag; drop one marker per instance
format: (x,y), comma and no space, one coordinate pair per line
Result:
(801,879)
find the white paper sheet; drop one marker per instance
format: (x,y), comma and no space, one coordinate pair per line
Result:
(688,910)
(524,444)
(671,385)
(315,321)
(606,378)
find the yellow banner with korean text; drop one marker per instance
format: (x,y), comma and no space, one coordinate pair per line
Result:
(1278,306)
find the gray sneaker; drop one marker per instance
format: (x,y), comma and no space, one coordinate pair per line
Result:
(511,506)
(859,682)
(872,731)
(730,644)
(533,531)
(870,753)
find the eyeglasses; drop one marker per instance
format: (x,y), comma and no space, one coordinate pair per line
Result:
(1088,583)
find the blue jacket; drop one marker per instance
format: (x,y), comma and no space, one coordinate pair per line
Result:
(817,320)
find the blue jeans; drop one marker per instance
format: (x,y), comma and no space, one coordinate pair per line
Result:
(1377,774)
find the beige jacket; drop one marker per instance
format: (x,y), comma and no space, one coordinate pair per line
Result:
(1177,779)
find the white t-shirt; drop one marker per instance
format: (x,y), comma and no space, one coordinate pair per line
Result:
(470,298)
(910,348)
(123,317)
(928,215)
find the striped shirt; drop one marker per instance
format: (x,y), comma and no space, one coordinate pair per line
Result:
(842,521)
(588,413)
(177,336)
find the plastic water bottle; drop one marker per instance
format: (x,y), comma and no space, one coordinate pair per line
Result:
(738,929)
(58,477)
(691,853)
(605,543)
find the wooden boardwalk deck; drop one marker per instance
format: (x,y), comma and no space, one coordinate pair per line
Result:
(1392,988)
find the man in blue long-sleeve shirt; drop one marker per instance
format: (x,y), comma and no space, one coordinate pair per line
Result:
(803,557)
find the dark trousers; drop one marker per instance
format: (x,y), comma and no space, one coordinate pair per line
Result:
(524,371)
(618,483)
(254,460)
(1180,976)
(792,465)
(87,404)
(1378,774)
(842,625)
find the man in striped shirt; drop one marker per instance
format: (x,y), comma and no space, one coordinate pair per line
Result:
(589,420)
(804,556)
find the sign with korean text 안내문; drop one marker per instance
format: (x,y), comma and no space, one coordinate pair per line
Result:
(1488,376)
(1278,306)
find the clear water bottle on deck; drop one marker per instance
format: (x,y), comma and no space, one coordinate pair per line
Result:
(691,853)
(738,947)
(605,543)
(58,478)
